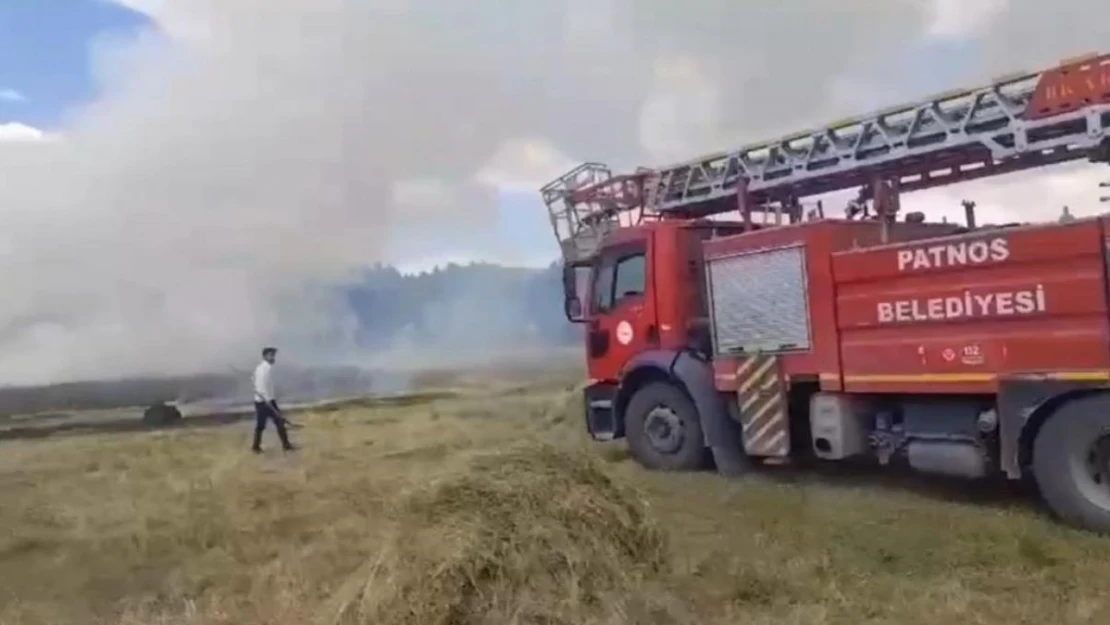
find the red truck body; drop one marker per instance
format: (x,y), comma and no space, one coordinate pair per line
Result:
(955,349)
(943,315)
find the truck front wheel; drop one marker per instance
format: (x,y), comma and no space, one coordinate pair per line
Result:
(1071,462)
(663,429)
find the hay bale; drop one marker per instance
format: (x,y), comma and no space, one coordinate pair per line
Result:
(160,415)
(534,535)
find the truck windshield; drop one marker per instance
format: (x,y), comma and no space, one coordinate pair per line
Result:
(620,275)
(629,280)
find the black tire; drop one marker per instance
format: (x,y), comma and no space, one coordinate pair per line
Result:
(1060,454)
(685,449)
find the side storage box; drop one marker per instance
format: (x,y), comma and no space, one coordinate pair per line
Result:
(839,424)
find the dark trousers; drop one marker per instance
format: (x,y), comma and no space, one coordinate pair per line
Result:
(262,412)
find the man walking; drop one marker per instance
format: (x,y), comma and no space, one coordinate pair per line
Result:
(265,402)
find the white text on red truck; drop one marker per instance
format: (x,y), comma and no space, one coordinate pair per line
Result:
(997,304)
(954,254)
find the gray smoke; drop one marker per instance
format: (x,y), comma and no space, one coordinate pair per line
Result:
(259,151)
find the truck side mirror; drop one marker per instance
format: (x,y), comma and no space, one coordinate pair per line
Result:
(572,304)
(572,308)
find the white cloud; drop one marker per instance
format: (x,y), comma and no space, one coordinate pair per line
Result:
(417,194)
(270,147)
(524,165)
(681,113)
(16,132)
(12,95)
(1020,197)
(959,19)
(183,21)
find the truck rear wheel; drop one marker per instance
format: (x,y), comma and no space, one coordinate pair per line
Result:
(1071,462)
(664,430)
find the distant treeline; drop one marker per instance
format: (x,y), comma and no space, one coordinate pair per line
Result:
(452,311)
(111,394)
(297,385)
(460,306)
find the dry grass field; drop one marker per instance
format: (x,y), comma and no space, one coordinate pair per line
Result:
(484,504)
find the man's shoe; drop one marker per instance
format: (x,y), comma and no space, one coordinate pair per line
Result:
(290,448)
(256,450)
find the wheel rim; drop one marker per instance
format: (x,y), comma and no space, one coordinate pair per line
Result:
(664,430)
(1091,470)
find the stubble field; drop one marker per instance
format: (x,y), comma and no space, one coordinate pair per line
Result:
(481,502)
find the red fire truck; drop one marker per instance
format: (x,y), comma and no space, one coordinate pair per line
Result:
(782,334)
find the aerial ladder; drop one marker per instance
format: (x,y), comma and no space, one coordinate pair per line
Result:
(1013,123)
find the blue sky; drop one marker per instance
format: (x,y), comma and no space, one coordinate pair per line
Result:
(46,54)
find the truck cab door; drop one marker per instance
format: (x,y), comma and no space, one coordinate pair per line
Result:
(622,309)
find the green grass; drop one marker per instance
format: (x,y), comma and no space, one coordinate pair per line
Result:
(488,505)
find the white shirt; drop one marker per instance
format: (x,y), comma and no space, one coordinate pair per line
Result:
(263,381)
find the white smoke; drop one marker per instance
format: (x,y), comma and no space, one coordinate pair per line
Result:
(257,151)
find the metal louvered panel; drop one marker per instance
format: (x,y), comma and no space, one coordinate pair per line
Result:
(758,301)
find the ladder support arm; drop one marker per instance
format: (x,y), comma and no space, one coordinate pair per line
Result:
(1018,122)
(1066,108)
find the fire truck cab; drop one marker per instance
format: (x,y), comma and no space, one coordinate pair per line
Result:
(950,348)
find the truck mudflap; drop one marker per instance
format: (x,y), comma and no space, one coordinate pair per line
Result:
(762,406)
(1026,401)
